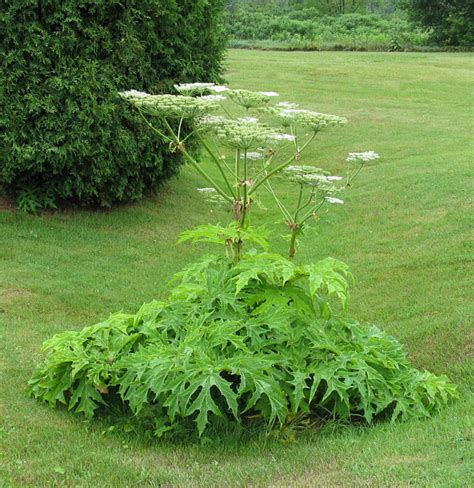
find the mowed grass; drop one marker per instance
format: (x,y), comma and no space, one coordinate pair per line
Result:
(405,232)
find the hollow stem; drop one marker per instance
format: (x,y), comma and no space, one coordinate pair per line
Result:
(188,157)
(309,201)
(237,172)
(300,197)
(351,177)
(278,168)
(217,162)
(311,213)
(244,184)
(295,228)
(197,166)
(280,204)
(153,128)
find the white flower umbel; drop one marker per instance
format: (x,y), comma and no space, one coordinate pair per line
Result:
(249,99)
(334,200)
(173,106)
(316,181)
(258,149)
(208,121)
(283,137)
(293,113)
(213,98)
(286,105)
(363,157)
(242,134)
(250,120)
(218,88)
(314,120)
(253,155)
(194,88)
(134,94)
(269,93)
(212,196)
(302,169)
(314,177)
(290,115)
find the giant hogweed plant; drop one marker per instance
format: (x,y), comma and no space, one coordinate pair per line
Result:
(249,336)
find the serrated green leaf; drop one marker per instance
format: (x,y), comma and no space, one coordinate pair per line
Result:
(330,275)
(203,403)
(208,351)
(85,399)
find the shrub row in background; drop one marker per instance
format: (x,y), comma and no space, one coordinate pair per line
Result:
(64,133)
(451,21)
(307,29)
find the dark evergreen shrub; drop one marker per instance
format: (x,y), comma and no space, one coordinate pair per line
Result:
(64,132)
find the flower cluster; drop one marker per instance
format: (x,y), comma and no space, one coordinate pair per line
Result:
(302,169)
(212,196)
(286,105)
(279,137)
(258,148)
(334,200)
(269,93)
(134,94)
(314,120)
(193,89)
(363,157)
(208,121)
(249,99)
(206,191)
(289,115)
(170,106)
(314,177)
(213,98)
(242,134)
(253,155)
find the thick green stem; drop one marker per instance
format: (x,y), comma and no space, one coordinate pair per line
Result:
(237,172)
(218,163)
(294,232)
(353,176)
(280,204)
(181,120)
(153,128)
(196,165)
(300,197)
(204,174)
(311,213)
(310,200)
(244,184)
(238,250)
(264,170)
(281,166)
(242,205)
(222,159)
(171,131)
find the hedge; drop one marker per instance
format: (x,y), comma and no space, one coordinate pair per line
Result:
(65,135)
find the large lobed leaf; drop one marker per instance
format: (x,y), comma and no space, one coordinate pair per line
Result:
(255,341)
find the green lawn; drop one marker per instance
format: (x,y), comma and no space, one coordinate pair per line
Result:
(404,231)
